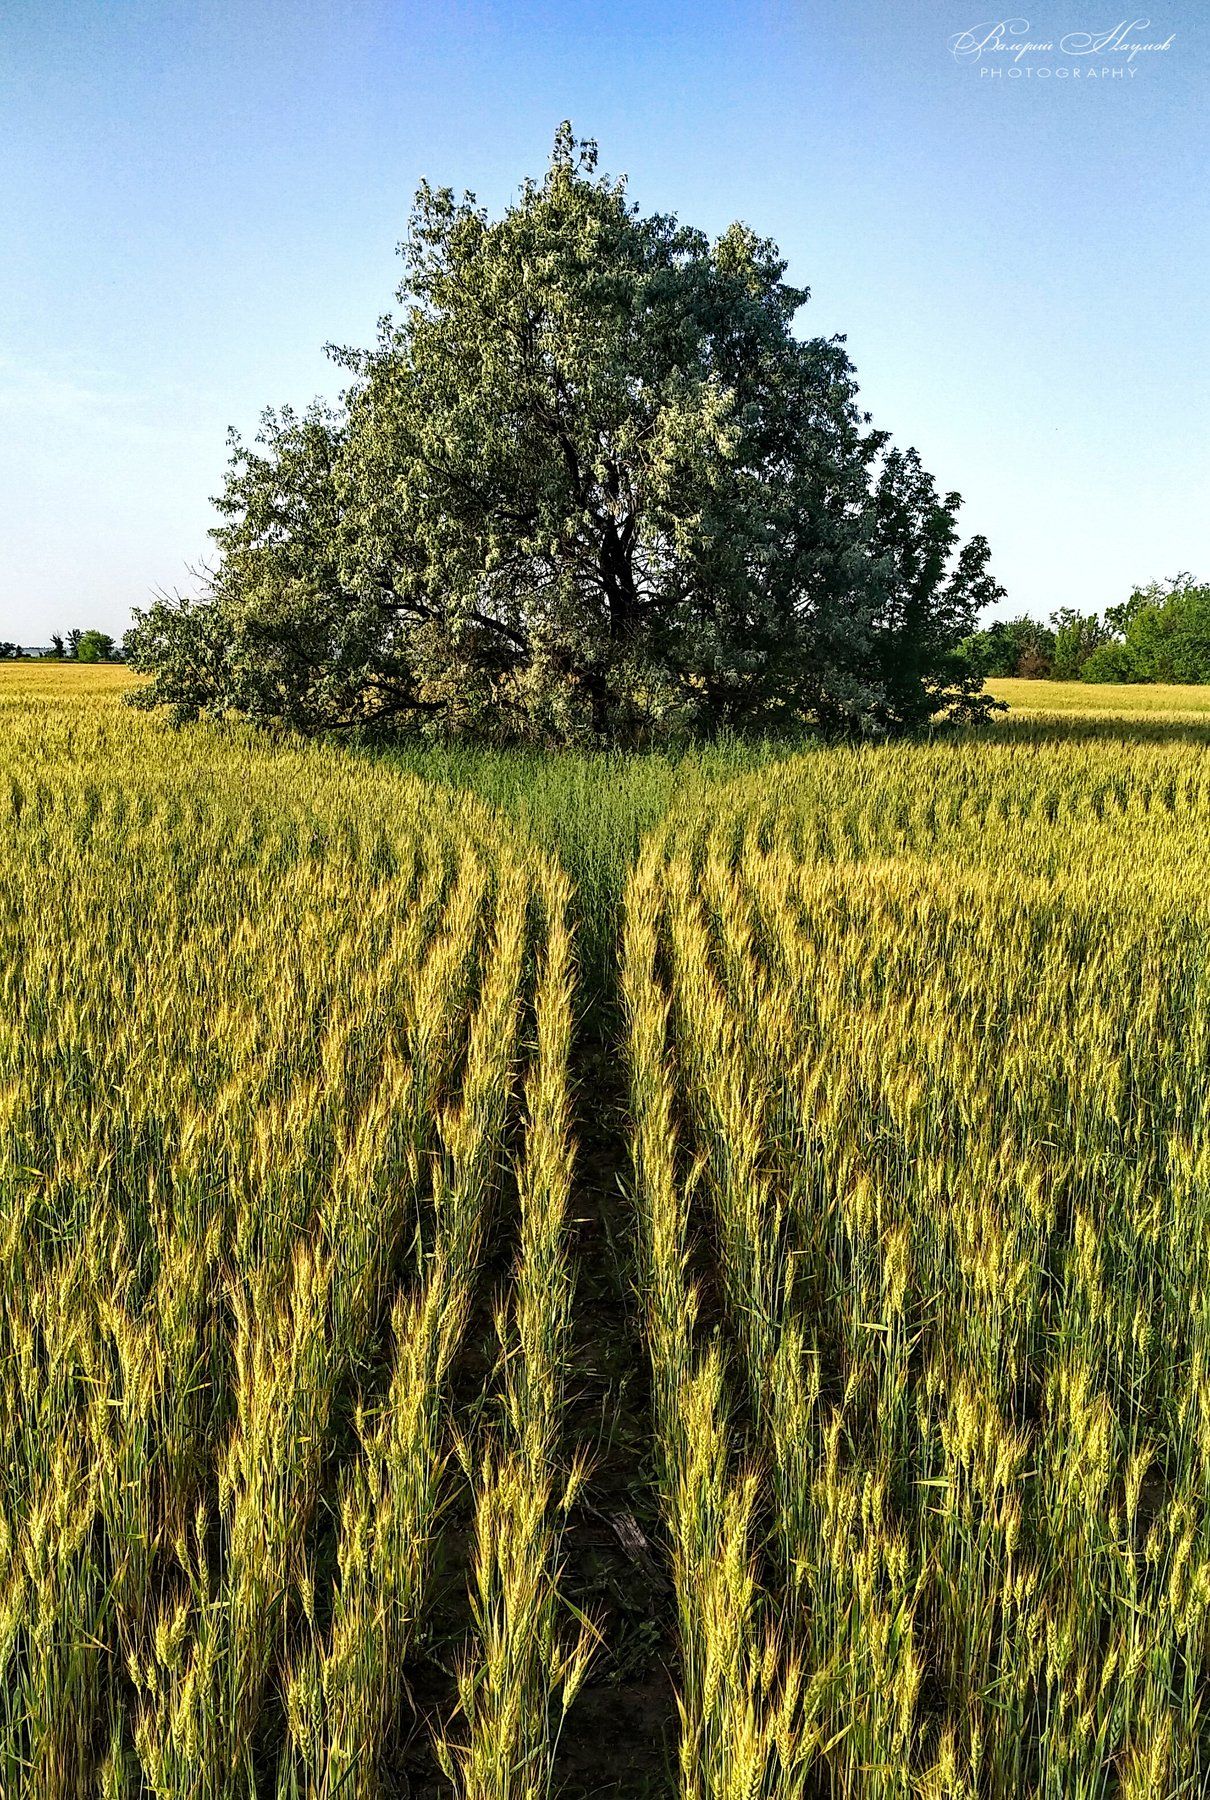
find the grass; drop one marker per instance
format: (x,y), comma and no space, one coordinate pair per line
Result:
(1103,700)
(336,1171)
(590,811)
(283,1063)
(921,1150)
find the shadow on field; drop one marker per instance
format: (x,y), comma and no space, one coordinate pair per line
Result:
(1061,728)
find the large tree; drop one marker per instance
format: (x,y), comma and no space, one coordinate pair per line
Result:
(588,486)
(1167,631)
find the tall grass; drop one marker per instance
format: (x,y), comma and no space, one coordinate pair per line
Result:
(742,1732)
(523,1668)
(936,1032)
(591,812)
(290,1049)
(265,1034)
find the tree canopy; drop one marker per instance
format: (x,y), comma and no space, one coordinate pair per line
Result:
(588,486)
(1161,633)
(95,646)
(1166,631)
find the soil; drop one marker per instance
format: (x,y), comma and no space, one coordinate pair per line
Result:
(620,1735)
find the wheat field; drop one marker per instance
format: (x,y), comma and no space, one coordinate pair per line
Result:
(1134,702)
(911,1194)
(280,1037)
(919,1050)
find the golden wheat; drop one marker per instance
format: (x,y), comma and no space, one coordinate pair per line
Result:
(932,1027)
(917,1043)
(262,1058)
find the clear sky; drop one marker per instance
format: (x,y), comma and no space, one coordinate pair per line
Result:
(195,195)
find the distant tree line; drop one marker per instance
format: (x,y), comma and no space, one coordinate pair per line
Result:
(1161,633)
(70,646)
(589,488)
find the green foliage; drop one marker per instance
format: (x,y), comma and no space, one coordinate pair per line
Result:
(1077,636)
(1168,631)
(1009,647)
(1109,662)
(84,646)
(588,488)
(94,647)
(931,591)
(1161,634)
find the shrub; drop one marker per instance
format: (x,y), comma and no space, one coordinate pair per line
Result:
(1109,662)
(1034,664)
(1011,647)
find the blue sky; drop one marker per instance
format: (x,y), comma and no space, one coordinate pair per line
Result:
(195,197)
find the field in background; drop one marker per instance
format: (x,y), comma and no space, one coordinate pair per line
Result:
(1104,700)
(592,811)
(788,1377)
(36,680)
(1027,698)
